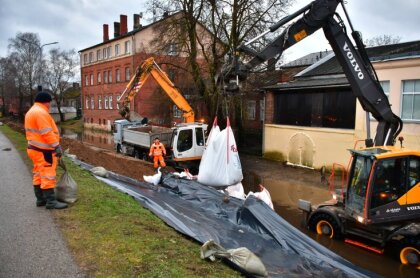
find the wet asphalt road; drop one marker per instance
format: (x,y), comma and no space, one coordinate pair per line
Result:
(30,242)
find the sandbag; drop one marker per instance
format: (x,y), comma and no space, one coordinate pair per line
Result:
(264,195)
(154,179)
(66,188)
(220,164)
(100,171)
(242,257)
(236,190)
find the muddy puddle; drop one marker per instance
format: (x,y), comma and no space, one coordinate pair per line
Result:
(285,196)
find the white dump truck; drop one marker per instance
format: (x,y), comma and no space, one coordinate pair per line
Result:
(184,142)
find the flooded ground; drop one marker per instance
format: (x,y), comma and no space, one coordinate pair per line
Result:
(286,185)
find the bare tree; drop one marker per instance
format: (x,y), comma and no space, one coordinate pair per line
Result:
(206,30)
(25,53)
(60,71)
(382,40)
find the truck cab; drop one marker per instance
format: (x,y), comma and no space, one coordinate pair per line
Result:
(188,143)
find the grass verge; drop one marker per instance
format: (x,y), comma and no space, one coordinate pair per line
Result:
(112,235)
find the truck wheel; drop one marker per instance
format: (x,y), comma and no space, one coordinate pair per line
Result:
(136,154)
(325,224)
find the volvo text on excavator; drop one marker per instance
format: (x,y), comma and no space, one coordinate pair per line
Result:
(380,207)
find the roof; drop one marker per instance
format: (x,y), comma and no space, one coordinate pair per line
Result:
(128,34)
(299,84)
(327,72)
(307,60)
(378,53)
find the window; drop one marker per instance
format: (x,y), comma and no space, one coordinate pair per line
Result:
(99,102)
(105,53)
(99,78)
(106,102)
(199,136)
(98,55)
(251,109)
(411,100)
(172,49)
(177,112)
(92,102)
(118,103)
(117,49)
(110,76)
(127,47)
(262,110)
(86,80)
(127,74)
(90,57)
(185,138)
(108,52)
(87,102)
(117,75)
(171,74)
(325,108)
(91,79)
(385,88)
(85,59)
(110,102)
(105,77)
(390,183)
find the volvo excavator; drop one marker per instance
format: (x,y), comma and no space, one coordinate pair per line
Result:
(380,207)
(186,140)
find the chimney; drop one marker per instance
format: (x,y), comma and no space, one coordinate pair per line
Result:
(105,32)
(116,29)
(136,21)
(123,24)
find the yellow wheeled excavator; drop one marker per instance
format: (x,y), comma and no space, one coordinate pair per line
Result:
(380,208)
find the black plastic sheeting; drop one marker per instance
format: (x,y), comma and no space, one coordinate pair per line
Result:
(204,213)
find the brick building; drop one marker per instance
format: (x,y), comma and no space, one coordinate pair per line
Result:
(107,67)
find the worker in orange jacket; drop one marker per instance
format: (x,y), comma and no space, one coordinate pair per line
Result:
(43,149)
(158,151)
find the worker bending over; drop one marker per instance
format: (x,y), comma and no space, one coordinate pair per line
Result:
(157,150)
(43,149)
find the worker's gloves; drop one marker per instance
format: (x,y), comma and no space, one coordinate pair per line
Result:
(58,151)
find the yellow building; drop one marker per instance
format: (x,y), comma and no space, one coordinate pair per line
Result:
(315,118)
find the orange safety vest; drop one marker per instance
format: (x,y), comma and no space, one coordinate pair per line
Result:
(41,130)
(157,149)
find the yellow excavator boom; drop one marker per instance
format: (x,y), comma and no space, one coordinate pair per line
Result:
(150,67)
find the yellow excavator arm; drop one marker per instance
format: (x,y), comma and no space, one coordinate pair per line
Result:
(150,67)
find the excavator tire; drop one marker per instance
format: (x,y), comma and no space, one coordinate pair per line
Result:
(325,224)
(410,252)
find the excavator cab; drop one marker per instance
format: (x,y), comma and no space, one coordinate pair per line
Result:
(383,186)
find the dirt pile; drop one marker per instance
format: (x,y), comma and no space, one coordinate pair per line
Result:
(114,162)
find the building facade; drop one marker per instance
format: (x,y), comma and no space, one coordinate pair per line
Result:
(107,67)
(314,120)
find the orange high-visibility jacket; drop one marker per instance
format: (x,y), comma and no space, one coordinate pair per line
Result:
(157,149)
(41,130)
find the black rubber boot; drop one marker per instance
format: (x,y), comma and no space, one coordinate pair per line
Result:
(40,198)
(52,202)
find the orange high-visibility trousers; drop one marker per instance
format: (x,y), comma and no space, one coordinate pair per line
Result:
(156,159)
(44,171)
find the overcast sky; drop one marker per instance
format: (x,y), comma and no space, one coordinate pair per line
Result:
(78,23)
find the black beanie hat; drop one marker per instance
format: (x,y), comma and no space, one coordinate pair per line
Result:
(43,97)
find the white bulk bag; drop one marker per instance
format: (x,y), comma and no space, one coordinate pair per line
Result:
(220,165)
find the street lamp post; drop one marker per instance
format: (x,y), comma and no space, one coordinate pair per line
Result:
(40,47)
